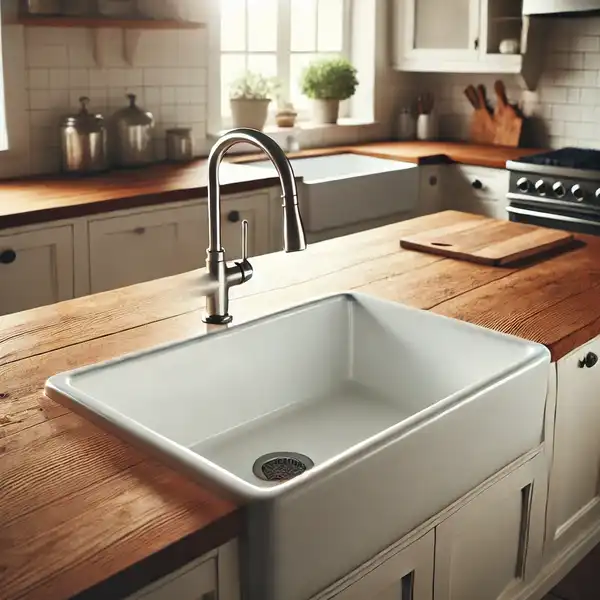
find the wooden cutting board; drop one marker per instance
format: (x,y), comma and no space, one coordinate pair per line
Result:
(508,122)
(488,241)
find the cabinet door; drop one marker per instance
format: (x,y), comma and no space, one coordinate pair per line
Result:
(36,268)
(448,30)
(476,190)
(255,209)
(145,245)
(405,576)
(493,545)
(574,496)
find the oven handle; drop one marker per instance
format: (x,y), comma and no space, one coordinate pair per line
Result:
(534,213)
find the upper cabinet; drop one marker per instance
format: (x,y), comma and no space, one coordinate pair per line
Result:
(465,36)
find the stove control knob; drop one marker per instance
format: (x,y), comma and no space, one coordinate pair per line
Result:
(559,189)
(524,184)
(598,194)
(578,193)
(540,187)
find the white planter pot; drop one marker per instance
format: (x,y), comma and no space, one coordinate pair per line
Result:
(325,111)
(249,113)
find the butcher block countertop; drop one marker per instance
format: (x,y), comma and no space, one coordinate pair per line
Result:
(83,513)
(422,153)
(43,199)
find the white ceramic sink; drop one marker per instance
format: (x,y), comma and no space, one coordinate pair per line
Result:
(401,411)
(339,190)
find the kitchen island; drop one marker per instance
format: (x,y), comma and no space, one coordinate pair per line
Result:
(83,513)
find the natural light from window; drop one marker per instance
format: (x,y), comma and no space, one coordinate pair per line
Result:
(278,38)
(3,133)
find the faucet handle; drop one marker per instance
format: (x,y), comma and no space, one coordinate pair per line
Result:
(244,240)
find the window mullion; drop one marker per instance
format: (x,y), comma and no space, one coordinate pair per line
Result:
(284,37)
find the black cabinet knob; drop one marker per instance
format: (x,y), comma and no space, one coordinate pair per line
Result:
(477,184)
(234,216)
(7,257)
(589,361)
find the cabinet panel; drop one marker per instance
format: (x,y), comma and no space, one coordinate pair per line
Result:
(427,34)
(405,576)
(255,209)
(493,545)
(574,500)
(146,245)
(477,190)
(196,581)
(37,268)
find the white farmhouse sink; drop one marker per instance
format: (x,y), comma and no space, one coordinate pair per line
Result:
(400,410)
(343,189)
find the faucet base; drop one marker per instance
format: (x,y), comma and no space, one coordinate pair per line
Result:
(217,319)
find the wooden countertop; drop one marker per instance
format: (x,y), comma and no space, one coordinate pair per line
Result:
(78,507)
(42,199)
(38,200)
(421,153)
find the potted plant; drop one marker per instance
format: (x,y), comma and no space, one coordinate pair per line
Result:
(327,81)
(249,97)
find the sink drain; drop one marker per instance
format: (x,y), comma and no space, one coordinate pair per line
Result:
(281,466)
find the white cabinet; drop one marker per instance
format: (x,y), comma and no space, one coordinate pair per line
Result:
(36,268)
(490,547)
(255,209)
(463,36)
(478,190)
(432,27)
(406,575)
(430,190)
(574,495)
(139,246)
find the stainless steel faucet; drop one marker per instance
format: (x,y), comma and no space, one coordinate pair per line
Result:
(221,275)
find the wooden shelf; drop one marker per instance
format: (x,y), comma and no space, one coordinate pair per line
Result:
(107,22)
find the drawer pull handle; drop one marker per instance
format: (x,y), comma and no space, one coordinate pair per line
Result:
(7,257)
(234,216)
(589,361)
(477,184)
(139,230)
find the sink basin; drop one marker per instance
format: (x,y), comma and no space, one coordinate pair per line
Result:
(344,189)
(400,411)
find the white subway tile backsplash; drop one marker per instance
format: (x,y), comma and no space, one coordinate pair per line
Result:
(59,79)
(39,79)
(591,61)
(167,95)
(153,95)
(586,43)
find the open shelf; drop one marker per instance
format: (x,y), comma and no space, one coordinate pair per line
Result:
(98,22)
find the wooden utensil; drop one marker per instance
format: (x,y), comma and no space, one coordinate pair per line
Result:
(509,124)
(488,241)
(482,130)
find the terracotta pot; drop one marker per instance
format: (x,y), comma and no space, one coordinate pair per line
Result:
(325,111)
(249,113)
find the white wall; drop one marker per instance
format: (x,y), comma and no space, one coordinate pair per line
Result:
(565,109)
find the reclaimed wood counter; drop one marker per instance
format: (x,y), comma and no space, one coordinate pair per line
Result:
(43,199)
(83,513)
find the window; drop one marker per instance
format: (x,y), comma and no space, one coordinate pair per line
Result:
(3,133)
(278,38)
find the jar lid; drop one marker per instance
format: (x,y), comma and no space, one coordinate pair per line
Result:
(133,115)
(84,121)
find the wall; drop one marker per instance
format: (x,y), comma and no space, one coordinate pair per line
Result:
(51,68)
(565,109)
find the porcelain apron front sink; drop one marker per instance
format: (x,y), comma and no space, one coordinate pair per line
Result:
(388,413)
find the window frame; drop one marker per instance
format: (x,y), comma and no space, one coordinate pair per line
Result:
(284,53)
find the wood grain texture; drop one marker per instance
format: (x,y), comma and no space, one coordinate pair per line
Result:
(421,153)
(42,199)
(488,241)
(99,519)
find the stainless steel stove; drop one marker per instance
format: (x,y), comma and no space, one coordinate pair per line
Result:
(558,189)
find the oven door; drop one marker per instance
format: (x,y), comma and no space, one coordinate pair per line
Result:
(553,220)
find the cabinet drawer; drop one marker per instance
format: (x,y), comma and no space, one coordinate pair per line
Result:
(36,268)
(491,184)
(196,581)
(145,245)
